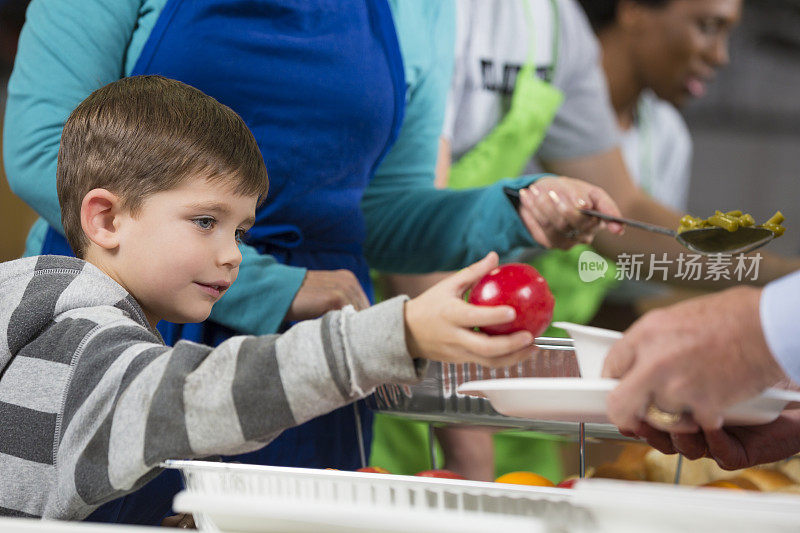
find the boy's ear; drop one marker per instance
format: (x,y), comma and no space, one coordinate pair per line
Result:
(100,212)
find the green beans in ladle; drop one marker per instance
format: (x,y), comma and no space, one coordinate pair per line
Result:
(732,221)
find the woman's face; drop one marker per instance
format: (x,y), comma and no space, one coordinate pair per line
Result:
(680,46)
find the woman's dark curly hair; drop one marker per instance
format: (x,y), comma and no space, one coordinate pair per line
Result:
(603,13)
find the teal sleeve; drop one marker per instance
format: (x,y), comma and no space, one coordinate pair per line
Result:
(415,228)
(411,226)
(69,48)
(34,244)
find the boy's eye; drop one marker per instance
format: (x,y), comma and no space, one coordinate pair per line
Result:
(204,222)
(240,235)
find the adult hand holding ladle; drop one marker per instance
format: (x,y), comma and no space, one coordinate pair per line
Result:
(706,241)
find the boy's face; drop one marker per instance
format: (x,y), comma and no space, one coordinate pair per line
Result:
(180,253)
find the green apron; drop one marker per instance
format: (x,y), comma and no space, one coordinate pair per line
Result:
(506,150)
(401,446)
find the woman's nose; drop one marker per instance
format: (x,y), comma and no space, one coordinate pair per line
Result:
(719,54)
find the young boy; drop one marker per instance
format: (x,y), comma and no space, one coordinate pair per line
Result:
(158,184)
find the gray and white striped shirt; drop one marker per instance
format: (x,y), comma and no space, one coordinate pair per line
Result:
(91,400)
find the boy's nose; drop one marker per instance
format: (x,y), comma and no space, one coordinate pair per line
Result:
(230,255)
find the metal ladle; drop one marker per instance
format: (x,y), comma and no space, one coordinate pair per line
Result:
(706,241)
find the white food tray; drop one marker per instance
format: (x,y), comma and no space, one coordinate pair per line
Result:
(633,507)
(248,498)
(36,525)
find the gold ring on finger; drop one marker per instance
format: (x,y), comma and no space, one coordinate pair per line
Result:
(661,417)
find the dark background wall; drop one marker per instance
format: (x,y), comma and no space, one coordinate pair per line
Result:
(747,129)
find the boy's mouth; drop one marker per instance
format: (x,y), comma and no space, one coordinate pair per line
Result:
(214,289)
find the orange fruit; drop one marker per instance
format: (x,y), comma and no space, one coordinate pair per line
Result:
(373,469)
(723,485)
(736,483)
(525,478)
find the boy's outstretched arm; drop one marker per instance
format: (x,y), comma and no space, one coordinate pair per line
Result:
(132,402)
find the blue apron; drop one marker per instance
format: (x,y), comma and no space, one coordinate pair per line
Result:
(321,86)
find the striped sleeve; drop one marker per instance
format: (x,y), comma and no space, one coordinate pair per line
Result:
(133,402)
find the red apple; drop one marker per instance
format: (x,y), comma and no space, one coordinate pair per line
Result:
(521,287)
(567,483)
(373,469)
(447,474)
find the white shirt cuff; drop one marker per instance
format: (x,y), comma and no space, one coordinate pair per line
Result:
(779,310)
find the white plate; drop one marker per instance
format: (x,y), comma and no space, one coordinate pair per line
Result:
(624,506)
(584,400)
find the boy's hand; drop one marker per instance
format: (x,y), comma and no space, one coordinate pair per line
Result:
(549,208)
(439,323)
(326,290)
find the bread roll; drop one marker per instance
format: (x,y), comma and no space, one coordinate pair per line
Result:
(616,471)
(790,489)
(631,459)
(642,463)
(790,467)
(661,468)
(767,479)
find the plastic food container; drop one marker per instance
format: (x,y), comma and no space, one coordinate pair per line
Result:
(435,398)
(242,498)
(632,507)
(247,498)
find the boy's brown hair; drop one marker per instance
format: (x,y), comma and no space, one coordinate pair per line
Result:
(146,134)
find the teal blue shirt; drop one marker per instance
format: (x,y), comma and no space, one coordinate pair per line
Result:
(69,48)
